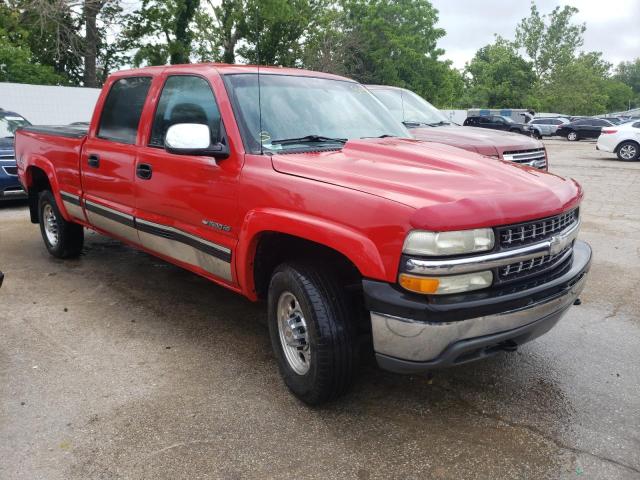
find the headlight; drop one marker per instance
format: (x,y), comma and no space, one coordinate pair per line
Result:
(438,244)
(445,285)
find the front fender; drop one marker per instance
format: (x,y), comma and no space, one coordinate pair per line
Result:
(355,246)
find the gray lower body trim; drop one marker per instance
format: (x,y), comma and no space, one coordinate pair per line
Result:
(422,342)
(72,205)
(162,239)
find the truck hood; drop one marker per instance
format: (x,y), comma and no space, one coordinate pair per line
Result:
(482,140)
(450,188)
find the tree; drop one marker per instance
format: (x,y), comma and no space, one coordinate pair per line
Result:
(576,88)
(18,65)
(629,74)
(497,77)
(162,31)
(278,26)
(550,41)
(69,35)
(391,42)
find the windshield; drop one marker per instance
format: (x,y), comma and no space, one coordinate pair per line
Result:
(9,123)
(410,108)
(306,112)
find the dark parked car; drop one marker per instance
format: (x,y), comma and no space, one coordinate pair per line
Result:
(497,122)
(583,128)
(10,187)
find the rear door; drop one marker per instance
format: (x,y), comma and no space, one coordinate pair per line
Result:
(187,205)
(107,162)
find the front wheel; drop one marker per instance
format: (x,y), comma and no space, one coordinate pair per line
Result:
(63,239)
(311,332)
(572,136)
(628,151)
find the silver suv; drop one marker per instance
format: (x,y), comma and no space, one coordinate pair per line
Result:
(546,127)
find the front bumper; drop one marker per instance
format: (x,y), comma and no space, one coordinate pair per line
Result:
(412,335)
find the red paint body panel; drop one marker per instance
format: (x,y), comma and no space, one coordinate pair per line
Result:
(480,140)
(360,201)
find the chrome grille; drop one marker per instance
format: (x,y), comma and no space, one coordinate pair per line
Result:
(533,266)
(7,156)
(13,171)
(536,158)
(537,230)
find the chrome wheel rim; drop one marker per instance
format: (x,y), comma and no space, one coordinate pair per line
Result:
(294,335)
(572,136)
(50,225)
(628,152)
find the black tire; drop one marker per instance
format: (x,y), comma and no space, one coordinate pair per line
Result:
(330,332)
(70,236)
(572,136)
(628,151)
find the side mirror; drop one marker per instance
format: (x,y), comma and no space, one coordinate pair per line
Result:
(193,139)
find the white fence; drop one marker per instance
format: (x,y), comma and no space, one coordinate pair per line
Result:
(49,105)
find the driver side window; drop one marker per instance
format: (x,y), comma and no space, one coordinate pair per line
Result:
(185,99)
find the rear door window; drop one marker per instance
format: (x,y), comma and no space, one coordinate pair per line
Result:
(185,99)
(122,109)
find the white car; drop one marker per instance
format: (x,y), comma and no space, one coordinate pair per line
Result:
(623,140)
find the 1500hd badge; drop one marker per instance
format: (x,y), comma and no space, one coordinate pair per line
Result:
(216,225)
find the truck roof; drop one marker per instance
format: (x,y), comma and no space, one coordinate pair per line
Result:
(228,69)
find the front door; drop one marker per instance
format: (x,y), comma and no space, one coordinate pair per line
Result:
(187,205)
(108,159)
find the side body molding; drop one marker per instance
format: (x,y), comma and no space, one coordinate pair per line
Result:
(359,249)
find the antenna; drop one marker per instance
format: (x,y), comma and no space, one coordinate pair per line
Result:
(259,89)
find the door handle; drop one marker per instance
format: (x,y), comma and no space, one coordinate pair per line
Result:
(94,161)
(144,171)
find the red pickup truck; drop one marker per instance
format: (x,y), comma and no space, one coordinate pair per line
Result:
(298,188)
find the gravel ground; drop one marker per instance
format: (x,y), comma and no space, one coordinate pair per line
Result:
(120,366)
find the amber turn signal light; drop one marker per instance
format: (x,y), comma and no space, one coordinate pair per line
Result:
(419,284)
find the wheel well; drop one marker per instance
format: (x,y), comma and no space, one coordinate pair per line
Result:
(39,183)
(275,248)
(625,141)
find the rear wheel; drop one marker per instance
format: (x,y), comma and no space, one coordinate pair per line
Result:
(628,151)
(311,332)
(572,136)
(63,239)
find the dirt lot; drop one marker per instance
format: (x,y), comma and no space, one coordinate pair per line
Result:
(120,366)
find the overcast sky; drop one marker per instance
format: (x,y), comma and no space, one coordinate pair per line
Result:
(613,26)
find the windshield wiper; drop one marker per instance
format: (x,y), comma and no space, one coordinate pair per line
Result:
(385,135)
(416,123)
(309,139)
(437,124)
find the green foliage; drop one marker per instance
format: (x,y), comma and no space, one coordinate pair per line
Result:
(162,30)
(629,74)
(391,42)
(497,77)
(278,26)
(550,41)
(18,65)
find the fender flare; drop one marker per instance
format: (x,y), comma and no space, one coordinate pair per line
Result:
(352,244)
(46,166)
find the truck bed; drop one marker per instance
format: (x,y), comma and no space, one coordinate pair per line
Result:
(69,131)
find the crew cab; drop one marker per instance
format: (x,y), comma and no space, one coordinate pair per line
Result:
(426,122)
(300,189)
